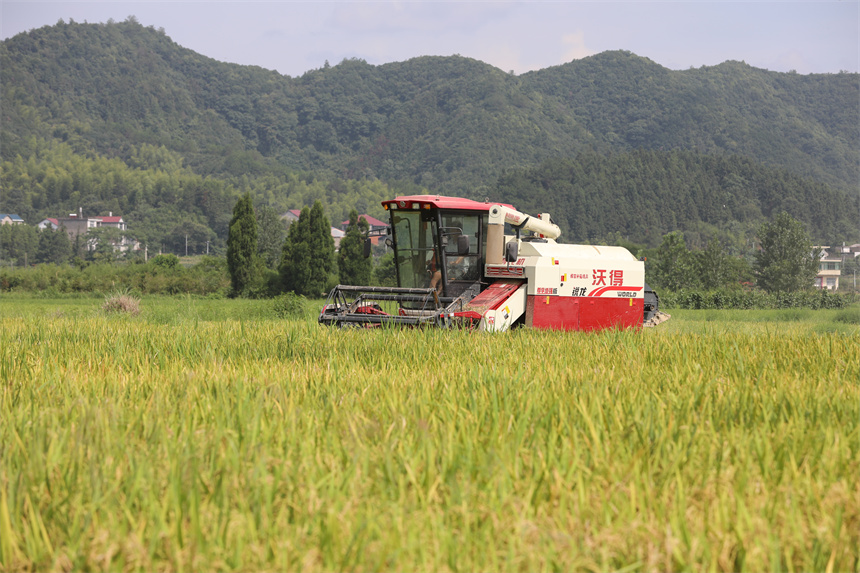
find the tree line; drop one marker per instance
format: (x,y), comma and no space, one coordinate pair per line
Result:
(783,259)
(166,205)
(641,195)
(263,259)
(645,194)
(308,263)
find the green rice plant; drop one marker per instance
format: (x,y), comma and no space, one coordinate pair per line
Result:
(848,315)
(219,441)
(794,314)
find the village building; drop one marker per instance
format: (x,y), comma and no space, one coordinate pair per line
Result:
(76,224)
(292,216)
(829,268)
(377,228)
(10,219)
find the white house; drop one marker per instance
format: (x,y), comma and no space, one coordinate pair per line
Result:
(337,235)
(76,224)
(829,268)
(49,223)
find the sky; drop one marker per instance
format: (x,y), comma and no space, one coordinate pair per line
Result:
(293,37)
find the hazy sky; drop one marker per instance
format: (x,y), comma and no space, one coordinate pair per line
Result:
(293,37)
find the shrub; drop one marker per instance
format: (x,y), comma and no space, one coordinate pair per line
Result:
(168,261)
(207,277)
(121,302)
(289,305)
(756,299)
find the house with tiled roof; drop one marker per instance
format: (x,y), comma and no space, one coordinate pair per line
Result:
(112,221)
(76,224)
(10,219)
(377,227)
(293,215)
(373,222)
(49,223)
(337,235)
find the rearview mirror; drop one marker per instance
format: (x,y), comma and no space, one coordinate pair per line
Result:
(462,245)
(512,251)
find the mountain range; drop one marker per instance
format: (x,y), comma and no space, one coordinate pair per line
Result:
(127,93)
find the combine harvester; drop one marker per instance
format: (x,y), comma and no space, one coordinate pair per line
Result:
(456,267)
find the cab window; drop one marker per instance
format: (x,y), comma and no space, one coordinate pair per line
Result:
(414,233)
(462,267)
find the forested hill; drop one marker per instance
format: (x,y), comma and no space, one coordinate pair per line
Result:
(808,124)
(643,194)
(121,91)
(447,123)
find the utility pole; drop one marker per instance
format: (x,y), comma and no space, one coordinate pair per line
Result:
(207,247)
(186,244)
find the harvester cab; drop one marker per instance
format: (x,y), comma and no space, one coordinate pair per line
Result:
(457,266)
(438,248)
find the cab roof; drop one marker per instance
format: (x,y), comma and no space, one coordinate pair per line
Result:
(439,202)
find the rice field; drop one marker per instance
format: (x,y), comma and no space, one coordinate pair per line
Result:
(207,435)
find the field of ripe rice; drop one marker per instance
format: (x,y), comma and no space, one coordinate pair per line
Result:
(208,435)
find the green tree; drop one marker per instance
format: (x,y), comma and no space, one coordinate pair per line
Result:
(385,272)
(718,269)
(307,259)
(850,272)
(105,242)
(295,262)
(54,246)
(786,262)
(19,244)
(189,237)
(321,250)
(676,266)
(242,246)
(353,266)
(270,235)
(165,261)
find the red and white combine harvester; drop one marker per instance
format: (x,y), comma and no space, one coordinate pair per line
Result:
(456,267)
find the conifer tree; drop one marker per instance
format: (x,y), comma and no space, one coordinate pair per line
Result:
(270,236)
(295,263)
(307,258)
(385,272)
(354,268)
(242,246)
(321,250)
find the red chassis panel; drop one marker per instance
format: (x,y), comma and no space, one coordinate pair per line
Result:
(583,313)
